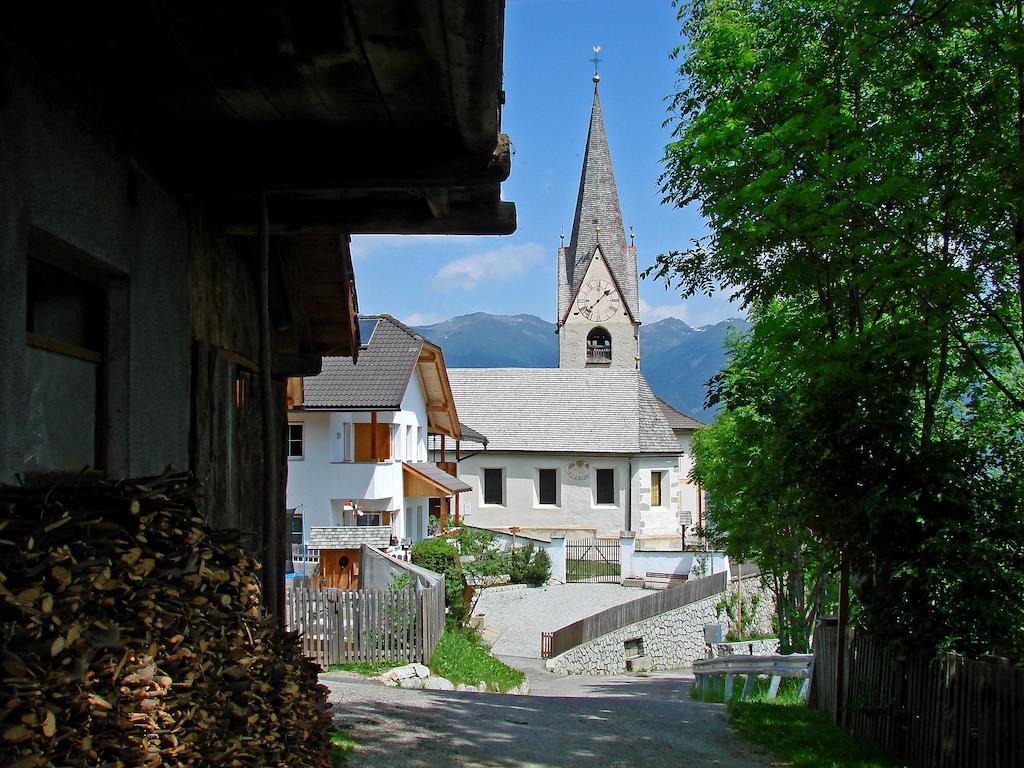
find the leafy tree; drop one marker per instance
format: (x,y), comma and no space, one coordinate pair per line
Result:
(441,556)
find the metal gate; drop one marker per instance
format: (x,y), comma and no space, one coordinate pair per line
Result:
(592,560)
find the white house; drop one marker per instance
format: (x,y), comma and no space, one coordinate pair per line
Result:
(583,451)
(357,441)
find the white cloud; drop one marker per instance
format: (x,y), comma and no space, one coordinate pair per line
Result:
(496,265)
(696,314)
(421,318)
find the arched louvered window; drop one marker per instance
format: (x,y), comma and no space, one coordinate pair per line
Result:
(599,346)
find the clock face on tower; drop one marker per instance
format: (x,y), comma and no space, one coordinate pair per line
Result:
(598,301)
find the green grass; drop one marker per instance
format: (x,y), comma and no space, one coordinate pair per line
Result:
(786,727)
(462,658)
(583,569)
(365,667)
(341,746)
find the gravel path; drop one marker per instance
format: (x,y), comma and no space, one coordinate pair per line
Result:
(618,722)
(514,618)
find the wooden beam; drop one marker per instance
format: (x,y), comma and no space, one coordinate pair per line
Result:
(295,364)
(373,436)
(444,512)
(390,217)
(437,408)
(292,289)
(456,510)
(443,459)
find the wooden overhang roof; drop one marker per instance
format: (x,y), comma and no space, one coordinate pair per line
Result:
(421,479)
(442,418)
(353,116)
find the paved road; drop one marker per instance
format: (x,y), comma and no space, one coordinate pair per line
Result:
(618,722)
(514,618)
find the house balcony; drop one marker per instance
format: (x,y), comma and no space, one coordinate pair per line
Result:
(357,480)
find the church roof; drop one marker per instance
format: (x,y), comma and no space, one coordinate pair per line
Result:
(597,205)
(677,419)
(563,410)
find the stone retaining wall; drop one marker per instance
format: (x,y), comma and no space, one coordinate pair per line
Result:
(671,640)
(747,648)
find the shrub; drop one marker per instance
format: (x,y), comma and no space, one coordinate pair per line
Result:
(529,565)
(441,556)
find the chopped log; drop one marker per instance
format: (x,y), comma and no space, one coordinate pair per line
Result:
(131,634)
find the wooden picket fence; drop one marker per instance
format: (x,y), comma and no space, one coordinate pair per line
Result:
(949,712)
(342,626)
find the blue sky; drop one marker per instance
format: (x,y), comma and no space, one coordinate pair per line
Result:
(548,44)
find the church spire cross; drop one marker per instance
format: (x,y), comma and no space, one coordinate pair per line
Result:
(596,60)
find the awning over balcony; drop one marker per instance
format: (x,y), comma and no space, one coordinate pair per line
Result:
(427,480)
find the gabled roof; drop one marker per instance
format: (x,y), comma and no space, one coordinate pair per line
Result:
(563,410)
(597,205)
(678,420)
(583,274)
(378,380)
(434,475)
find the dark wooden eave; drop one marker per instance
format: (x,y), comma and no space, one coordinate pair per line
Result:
(358,115)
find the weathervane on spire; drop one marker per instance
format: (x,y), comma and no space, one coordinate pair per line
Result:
(596,60)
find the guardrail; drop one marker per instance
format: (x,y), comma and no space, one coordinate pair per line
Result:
(777,666)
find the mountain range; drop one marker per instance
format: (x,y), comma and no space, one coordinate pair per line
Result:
(676,358)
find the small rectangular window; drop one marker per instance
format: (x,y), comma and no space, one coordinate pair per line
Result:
(547,486)
(493,486)
(296,528)
(656,489)
(605,486)
(295,441)
(368,518)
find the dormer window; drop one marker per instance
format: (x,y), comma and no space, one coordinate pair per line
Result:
(599,346)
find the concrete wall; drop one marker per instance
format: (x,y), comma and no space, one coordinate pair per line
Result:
(60,178)
(322,480)
(576,509)
(671,640)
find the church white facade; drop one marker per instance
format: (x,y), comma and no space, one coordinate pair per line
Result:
(586,447)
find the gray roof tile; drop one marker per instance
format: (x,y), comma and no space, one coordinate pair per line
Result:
(563,410)
(440,477)
(678,419)
(378,380)
(598,201)
(349,536)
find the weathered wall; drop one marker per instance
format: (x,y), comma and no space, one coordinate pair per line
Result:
(576,509)
(74,184)
(671,640)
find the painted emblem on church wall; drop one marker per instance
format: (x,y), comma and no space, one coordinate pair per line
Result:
(578,470)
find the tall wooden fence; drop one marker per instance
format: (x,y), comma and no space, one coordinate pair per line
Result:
(618,616)
(341,626)
(949,712)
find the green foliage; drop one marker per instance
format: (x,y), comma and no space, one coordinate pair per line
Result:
(441,556)
(462,658)
(371,669)
(341,745)
(740,612)
(801,737)
(400,581)
(860,169)
(529,565)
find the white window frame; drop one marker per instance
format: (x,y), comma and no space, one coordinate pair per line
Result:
(302,441)
(483,487)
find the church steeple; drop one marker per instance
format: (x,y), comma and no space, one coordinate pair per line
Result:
(598,219)
(598,318)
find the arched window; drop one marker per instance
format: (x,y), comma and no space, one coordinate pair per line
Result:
(599,346)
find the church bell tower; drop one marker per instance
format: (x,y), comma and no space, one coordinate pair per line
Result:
(598,323)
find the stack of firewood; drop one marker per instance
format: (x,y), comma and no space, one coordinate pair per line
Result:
(131,634)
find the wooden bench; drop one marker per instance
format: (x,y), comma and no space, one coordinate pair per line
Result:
(776,666)
(663,580)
